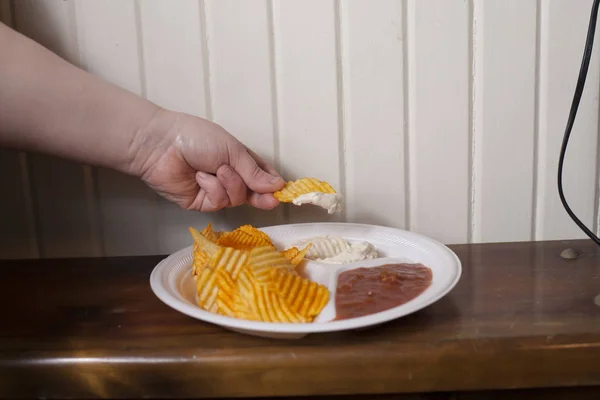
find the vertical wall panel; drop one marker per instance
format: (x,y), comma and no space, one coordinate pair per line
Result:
(174,66)
(439,75)
(17,228)
(173,59)
(109,46)
(5,12)
(61,188)
(403,96)
(307,87)
(18,236)
(241,85)
(563,30)
(372,43)
(503,119)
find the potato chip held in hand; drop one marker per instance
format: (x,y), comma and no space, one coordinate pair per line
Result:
(293,189)
(310,191)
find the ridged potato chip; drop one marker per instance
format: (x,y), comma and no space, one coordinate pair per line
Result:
(303,296)
(244,238)
(258,303)
(295,188)
(264,259)
(214,261)
(252,231)
(226,294)
(200,259)
(240,274)
(204,244)
(295,255)
(218,257)
(210,234)
(206,289)
(209,281)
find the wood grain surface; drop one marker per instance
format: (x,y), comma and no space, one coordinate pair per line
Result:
(521,317)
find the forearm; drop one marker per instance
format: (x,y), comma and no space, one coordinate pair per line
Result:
(50,106)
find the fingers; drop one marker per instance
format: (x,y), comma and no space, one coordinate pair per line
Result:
(212,196)
(227,189)
(256,178)
(263,164)
(264,201)
(233,184)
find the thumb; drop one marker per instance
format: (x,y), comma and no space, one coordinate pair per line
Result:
(256,178)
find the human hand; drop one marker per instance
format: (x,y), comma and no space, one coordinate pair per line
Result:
(200,166)
(52,107)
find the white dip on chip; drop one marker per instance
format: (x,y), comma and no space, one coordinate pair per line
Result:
(332,202)
(337,250)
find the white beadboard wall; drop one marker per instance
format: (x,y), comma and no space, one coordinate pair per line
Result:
(444,117)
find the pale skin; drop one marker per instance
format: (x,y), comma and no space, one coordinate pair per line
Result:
(50,106)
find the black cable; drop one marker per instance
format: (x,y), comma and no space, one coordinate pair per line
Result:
(587,54)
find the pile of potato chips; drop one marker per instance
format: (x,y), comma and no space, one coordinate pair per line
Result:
(241,274)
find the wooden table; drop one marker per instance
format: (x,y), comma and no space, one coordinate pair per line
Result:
(520,318)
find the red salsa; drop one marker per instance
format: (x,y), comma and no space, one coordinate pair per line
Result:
(364,291)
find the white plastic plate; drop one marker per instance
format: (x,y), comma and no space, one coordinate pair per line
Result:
(172,281)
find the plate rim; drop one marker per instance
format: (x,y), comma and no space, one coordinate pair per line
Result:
(308,328)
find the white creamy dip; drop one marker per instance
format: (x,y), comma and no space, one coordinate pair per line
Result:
(355,252)
(332,202)
(337,250)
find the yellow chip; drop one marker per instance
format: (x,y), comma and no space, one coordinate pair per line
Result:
(207,289)
(244,238)
(202,244)
(214,260)
(303,296)
(294,189)
(210,279)
(199,261)
(226,295)
(295,255)
(258,303)
(210,234)
(252,231)
(219,258)
(262,260)
(240,274)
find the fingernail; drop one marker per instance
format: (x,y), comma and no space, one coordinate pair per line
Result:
(275,180)
(227,170)
(201,177)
